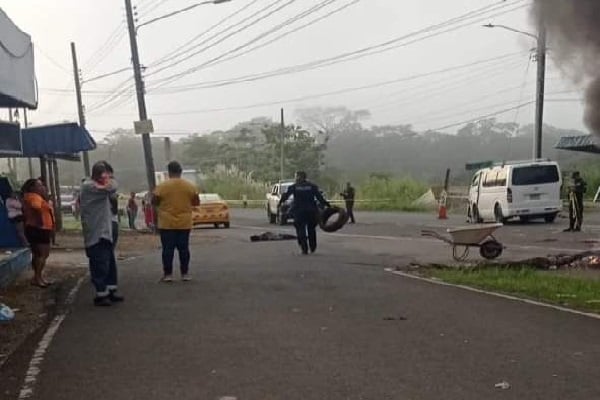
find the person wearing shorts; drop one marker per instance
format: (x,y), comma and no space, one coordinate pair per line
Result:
(39,227)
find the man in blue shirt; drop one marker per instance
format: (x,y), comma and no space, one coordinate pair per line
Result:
(305,210)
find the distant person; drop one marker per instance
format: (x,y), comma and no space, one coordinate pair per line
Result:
(305,210)
(577,189)
(348,195)
(96,221)
(174,199)
(39,226)
(114,209)
(14,209)
(132,210)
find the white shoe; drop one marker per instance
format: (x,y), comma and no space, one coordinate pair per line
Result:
(167,279)
(186,278)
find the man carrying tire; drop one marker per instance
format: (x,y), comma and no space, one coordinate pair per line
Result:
(305,210)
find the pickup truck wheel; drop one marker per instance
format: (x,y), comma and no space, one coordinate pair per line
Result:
(280,220)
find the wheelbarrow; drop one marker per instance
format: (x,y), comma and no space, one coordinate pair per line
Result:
(472,236)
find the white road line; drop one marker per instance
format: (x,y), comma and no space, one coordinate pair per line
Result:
(35,364)
(419,239)
(503,296)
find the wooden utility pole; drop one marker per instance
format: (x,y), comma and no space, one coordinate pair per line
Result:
(281,176)
(80,108)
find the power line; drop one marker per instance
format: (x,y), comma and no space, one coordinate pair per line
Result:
(95,78)
(53,61)
(344,57)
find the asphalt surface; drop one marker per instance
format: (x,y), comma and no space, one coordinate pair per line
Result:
(260,322)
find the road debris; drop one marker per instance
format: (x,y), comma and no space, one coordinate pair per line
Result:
(6,313)
(502,385)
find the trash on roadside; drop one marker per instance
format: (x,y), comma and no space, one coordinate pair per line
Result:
(270,236)
(502,385)
(6,313)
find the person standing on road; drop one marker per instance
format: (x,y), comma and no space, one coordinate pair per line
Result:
(175,199)
(305,210)
(98,235)
(132,211)
(39,225)
(576,192)
(348,195)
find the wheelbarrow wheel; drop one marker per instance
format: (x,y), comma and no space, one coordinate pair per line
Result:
(491,249)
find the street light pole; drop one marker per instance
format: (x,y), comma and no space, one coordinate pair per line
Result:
(541,51)
(540,93)
(140,91)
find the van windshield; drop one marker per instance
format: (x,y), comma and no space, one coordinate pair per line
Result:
(535,175)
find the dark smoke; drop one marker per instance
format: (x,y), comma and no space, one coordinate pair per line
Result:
(573,31)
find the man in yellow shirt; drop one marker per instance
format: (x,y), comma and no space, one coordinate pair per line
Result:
(174,200)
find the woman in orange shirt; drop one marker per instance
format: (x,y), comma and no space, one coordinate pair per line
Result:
(39,226)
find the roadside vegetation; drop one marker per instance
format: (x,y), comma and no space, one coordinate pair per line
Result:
(580,293)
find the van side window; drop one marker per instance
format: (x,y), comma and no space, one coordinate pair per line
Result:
(490,179)
(475,181)
(501,178)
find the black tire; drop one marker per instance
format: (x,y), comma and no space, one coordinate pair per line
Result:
(491,250)
(226,225)
(326,215)
(475,213)
(525,219)
(498,215)
(216,226)
(550,218)
(280,219)
(271,217)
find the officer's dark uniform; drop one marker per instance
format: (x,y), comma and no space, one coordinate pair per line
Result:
(305,212)
(348,196)
(577,190)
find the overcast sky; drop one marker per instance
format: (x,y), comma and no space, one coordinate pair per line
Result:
(396,91)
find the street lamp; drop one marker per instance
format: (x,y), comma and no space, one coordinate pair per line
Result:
(139,82)
(541,81)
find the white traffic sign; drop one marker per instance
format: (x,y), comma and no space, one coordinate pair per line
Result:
(143,127)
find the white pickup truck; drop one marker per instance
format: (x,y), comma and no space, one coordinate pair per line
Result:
(275,215)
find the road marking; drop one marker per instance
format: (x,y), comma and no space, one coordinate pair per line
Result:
(495,294)
(419,239)
(35,364)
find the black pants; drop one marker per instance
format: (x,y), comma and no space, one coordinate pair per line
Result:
(131,216)
(102,267)
(305,222)
(172,239)
(350,210)
(575,211)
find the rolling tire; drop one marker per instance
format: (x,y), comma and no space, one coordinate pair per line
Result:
(336,225)
(491,250)
(550,218)
(498,215)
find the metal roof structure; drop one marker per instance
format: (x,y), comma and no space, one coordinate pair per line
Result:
(57,141)
(586,144)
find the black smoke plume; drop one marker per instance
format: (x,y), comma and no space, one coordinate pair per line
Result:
(573,32)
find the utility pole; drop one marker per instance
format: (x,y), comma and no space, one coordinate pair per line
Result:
(281,177)
(29,161)
(139,86)
(168,155)
(77,77)
(539,100)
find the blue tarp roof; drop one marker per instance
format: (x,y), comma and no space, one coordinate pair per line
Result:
(585,144)
(56,140)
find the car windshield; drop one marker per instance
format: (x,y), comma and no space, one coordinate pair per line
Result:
(535,175)
(210,198)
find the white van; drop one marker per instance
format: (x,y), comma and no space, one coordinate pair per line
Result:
(524,189)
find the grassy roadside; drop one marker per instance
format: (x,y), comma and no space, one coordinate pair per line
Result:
(578,293)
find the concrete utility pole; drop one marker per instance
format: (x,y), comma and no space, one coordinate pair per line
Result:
(139,86)
(281,176)
(168,152)
(540,92)
(29,161)
(80,110)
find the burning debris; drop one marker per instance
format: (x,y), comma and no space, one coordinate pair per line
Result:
(574,40)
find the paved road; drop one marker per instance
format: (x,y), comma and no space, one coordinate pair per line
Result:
(260,322)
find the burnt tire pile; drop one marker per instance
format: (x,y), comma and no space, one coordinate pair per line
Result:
(333,219)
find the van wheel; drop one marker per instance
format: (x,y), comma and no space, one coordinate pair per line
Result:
(498,214)
(525,219)
(226,225)
(476,218)
(550,218)
(271,217)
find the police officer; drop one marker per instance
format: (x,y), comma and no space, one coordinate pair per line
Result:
(348,195)
(576,192)
(305,210)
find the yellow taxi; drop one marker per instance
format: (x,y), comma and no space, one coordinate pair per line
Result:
(213,210)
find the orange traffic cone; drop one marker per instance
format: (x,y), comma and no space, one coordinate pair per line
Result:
(443,211)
